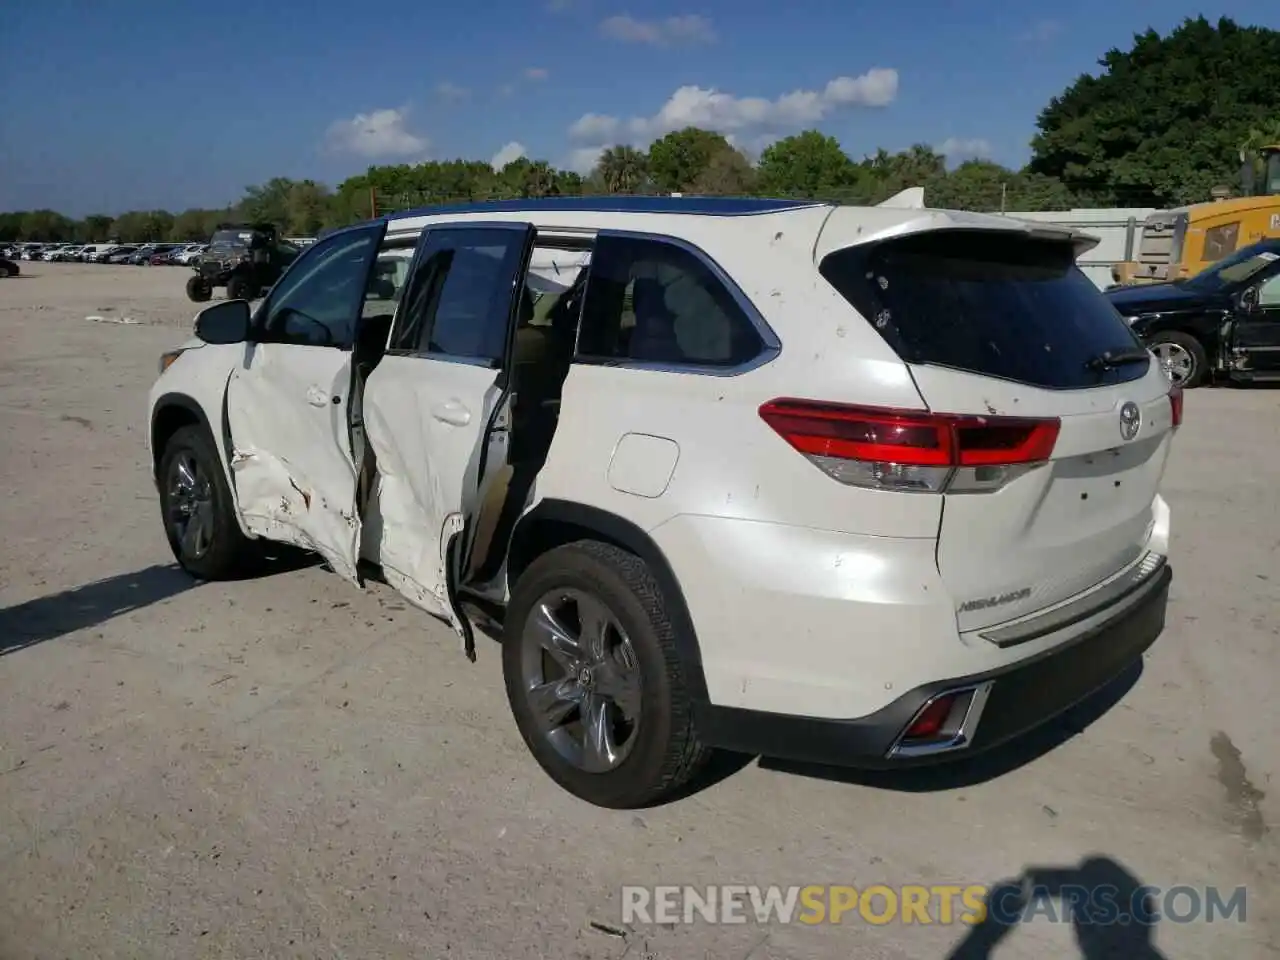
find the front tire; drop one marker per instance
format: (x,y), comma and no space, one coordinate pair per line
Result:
(198,289)
(593,678)
(1183,357)
(198,511)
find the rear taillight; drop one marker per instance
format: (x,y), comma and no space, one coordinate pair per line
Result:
(911,451)
(1175,404)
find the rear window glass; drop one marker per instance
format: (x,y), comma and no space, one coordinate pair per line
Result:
(994,304)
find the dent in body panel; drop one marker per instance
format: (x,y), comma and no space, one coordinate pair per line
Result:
(277,501)
(408,545)
(284,483)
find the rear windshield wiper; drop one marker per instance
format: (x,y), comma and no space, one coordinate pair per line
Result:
(1110,359)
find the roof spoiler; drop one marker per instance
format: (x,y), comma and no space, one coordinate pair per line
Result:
(911,198)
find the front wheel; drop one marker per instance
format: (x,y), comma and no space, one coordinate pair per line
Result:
(1182,356)
(199,514)
(594,680)
(198,289)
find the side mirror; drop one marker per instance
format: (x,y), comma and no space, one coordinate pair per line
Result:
(1249,300)
(226,322)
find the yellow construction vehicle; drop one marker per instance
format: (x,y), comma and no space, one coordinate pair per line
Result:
(1180,243)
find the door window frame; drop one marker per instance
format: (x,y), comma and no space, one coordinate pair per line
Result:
(522,227)
(259,330)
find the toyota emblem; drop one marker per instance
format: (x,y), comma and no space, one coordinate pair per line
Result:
(1130,420)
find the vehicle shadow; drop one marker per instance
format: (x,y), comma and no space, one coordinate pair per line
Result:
(47,618)
(954,775)
(1112,913)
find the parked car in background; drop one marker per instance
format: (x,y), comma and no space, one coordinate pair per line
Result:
(69,253)
(185,255)
(92,250)
(1223,322)
(157,250)
(120,255)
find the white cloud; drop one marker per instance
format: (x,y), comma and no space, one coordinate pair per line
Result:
(687,29)
(536,73)
(451,92)
(594,128)
(1042,31)
(753,119)
(959,149)
(584,159)
(379,133)
(511,151)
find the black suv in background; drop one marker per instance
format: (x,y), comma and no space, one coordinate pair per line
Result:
(245,258)
(1224,321)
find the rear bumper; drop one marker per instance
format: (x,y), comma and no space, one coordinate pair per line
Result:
(1018,698)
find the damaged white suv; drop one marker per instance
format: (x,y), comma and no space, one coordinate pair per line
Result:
(871,486)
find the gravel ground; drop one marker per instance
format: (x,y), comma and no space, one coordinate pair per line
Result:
(289,767)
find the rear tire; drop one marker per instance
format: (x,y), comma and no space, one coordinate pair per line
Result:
(653,748)
(194,493)
(1183,357)
(198,289)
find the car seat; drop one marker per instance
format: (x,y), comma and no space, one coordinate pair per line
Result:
(654,337)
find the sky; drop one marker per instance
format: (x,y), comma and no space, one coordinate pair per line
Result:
(111,107)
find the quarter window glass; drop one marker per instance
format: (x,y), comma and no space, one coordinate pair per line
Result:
(652,301)
(318,301)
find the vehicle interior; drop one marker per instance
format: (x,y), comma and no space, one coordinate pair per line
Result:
(543,344)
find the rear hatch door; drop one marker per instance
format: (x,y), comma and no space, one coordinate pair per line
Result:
(1000,324)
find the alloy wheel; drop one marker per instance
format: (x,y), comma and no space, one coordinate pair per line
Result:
(190,506)
(1175,360)
(581,679)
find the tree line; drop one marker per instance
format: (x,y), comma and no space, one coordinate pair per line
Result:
(1160,125)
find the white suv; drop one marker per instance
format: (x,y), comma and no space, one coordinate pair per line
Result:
(873,486)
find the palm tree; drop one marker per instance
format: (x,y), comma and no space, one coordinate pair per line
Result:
(624,169)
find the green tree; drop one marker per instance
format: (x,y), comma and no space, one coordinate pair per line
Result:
(1163,123)
(809,164)
(677,160)
(306,208)
(729,173)
(45,225)
(623,169)
(95,227)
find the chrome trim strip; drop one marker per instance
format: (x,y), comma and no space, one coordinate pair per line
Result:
(963,735)
(1131,585)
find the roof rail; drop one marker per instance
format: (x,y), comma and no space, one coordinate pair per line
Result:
(703,206)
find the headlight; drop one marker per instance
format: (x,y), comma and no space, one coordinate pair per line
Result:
(167,358)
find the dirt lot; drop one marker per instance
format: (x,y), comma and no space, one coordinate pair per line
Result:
(289,767)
